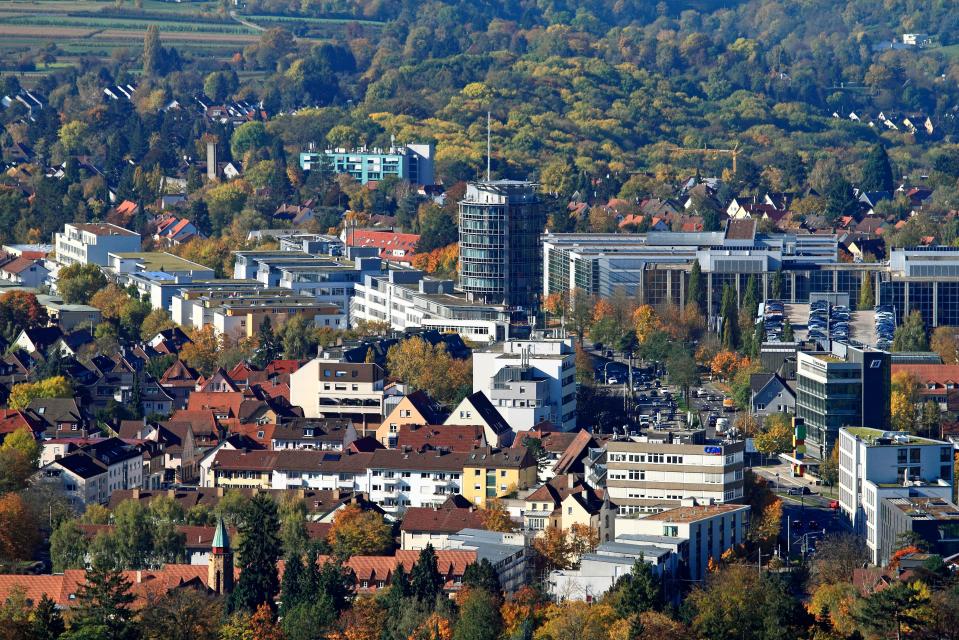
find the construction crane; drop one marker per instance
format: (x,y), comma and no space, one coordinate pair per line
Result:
(734,152)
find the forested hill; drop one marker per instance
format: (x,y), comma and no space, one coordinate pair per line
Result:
(614,85)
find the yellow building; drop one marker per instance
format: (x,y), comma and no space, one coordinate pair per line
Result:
(240,469)
(496,473)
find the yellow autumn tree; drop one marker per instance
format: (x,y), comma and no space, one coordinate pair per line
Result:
(434,627)
(496,517)
(22,394)
(576,620)
(645,322)
(833,603)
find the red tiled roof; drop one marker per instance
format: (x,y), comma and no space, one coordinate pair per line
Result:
(450,437)
(227,402)
(939,374)
(387,242)
(427,519)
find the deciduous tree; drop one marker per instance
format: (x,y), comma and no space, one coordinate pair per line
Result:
(22,394)
(911,334)
(357,532)
(77,283)
(19,530)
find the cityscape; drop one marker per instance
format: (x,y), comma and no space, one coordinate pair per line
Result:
(434,321)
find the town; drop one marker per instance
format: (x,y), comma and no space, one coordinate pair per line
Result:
(289,356)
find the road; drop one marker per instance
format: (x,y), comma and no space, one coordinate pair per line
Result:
(246,23)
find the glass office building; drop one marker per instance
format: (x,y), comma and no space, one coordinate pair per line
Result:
(500,223)
(654,268)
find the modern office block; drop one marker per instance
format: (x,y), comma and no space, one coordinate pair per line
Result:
(846,387)
(414,163)
(500,247)
(894,468)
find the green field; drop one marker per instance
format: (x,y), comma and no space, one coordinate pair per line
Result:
(99,27)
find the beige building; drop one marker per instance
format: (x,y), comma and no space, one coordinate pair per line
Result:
(416,408)
(332,389)
(651,473)
(565,501)
(476,409)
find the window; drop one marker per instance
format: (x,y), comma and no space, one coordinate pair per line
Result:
(671,531)
(901,456)
(502,474)
(476,472)
(914,455)
(945,454)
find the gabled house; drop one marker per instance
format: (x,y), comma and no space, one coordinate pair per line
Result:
(173,231)
(416,408)
(449,437)
(770,394)
(427,525)
(71,344)
(565,501)
(37,340)
(59,416)
(477,409)
(26,272)
(179,380)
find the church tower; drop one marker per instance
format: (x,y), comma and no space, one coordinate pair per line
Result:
(220,568)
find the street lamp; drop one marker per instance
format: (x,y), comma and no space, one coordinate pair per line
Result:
(777,483)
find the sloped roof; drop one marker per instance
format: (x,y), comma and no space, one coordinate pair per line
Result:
(453,520)
(449,437)
(574,452)
(491,416)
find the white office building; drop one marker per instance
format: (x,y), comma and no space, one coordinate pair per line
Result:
(875,465)
(539,382)
(93,242)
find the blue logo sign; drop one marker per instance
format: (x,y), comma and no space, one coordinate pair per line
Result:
(713,451)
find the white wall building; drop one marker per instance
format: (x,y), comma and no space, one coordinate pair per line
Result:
(875,464)
(549,389)
(92,242)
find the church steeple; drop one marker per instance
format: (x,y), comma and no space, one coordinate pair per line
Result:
(220,567)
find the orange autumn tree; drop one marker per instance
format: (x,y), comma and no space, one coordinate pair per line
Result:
(726,363)
(496,517)
(19,530)
(365,620)
(525,604)
(356,532)
(442,261)
(435,627)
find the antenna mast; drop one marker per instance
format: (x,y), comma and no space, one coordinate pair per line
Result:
(489,147)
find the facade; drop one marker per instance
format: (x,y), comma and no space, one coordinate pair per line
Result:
(413,163)
(529,381)
(769,394)
(25,272)
(658,471)
(934,519)
(508,552)
(406,299)
(847,387)
(599,571)
(654,268)
(500,223)
(875,465)
(92,242)
(493,473)
(426,525)
(709,531)
(565,501)
(333,389)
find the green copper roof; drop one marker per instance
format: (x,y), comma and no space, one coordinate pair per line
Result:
(221,540)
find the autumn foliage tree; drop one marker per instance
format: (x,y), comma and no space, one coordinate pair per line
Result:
(356,532)
(20,310)
(430,368)
(202,352)
(24,393)
(443,261)
(496,517)
(19,530)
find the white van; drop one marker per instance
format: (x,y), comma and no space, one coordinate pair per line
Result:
(722,424)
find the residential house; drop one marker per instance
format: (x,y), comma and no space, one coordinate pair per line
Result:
(59,416)
(476,409)
(937,382)
(416,408)
(333,389)
(496,473)
(25,272)
(306,433)
(566,501)
(434,525)
(38,339)
(399,248)
(173,231)
(179,380)
(461,438)
(770,394)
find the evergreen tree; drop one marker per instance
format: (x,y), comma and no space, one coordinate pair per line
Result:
(867,299)
(406,211)
(730,315)
(840,200)
(639,591)
(103,606)
(751,297)
(291,592)
(258,553)
(482,575)
(694,291)
(776,286)
(788,333)
(911,334)
(479,617)
(268,348)
(425,578)
(199,215)
(794,171)
(399,592)
(47,622)
(152,51)
(877,171)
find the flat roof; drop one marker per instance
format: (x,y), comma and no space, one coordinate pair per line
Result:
(693,514)
(926,508)
(154,261)
(869,435)
(102,229)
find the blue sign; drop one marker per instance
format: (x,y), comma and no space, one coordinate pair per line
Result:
(713,451)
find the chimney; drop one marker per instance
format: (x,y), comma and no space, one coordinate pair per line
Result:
(171,493)
(219,492)
(211,160)
(136,494)
(570,480)
(139,576)
(301,493)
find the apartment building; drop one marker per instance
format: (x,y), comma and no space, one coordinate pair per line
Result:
(124,264)
(659,470)
(407,299)
(93,242)
(413,162)
(846,387)
(496,473)
(565,501)
(877,465)
(327,388)
(239,311)
(92,473)
(539,381)
(709,530)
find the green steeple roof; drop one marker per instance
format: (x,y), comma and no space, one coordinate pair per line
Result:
(221,540)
